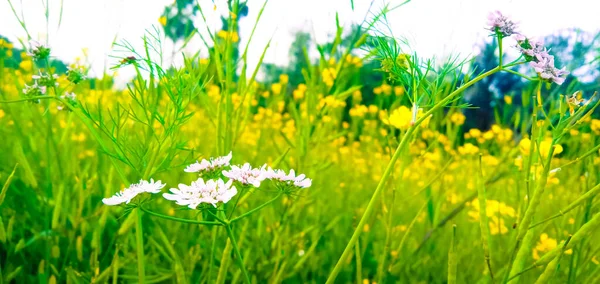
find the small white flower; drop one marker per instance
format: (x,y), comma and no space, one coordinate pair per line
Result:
(70,96)
(210,192)
(245,174)
(208,165)
(300,181)
(127,194)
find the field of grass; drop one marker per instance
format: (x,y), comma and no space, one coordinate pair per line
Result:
(400,190)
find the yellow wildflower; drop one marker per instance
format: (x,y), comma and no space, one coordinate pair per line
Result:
(457,118)
(162,20)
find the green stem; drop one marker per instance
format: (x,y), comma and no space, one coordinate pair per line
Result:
(139,234)
(500,54)
(381,271)
(26,99)
(213,249)
(222,221)
(255,209)
(519,74)
(588,153)
(238,255)
(181,220)
(530,212)
(403,143)
(483,219)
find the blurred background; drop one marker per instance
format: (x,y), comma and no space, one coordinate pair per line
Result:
(86,31)
(432,27)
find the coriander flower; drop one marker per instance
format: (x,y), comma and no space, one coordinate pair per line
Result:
(246,174)
(38,50)
(70,97)
(501,24)
(34,90)
(76,74)
(46,80)
(127,194)
(209,192)
(209,165)
(546,70)
(300,181)
(530,48)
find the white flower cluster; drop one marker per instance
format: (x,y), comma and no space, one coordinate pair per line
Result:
(70,97)
(246,175)
(210,192)
(127,194)
(209,165)
(300,181)
(214,191)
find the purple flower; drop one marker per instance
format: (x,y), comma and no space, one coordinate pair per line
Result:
(544,66)
(501,24)
(530,48)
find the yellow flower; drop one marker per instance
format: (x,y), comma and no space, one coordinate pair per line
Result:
(488,135)
(226,35)
(468,149)
(284,79)
(497,226)
(358,111)
(162,20)
(387,89)
(276,88)
(508,100)
(544,245)
(356,96)
(457,118)
(525,146)
(377,90)
(519,162)
(26,65)
(400,118)
(474,132)
(329,75)
(398,90)
(595,125)
(545,148)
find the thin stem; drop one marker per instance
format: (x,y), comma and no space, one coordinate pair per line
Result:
(588,153)
(519,74)
(222,221)
(238,255)
(139,237)
(181,220)
(255,209)
(500,54)
(514,63)
(27,99)
(237,200)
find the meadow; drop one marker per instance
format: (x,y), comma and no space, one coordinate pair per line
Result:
(345,183)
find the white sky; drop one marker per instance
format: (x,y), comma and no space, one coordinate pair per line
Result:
(433,27)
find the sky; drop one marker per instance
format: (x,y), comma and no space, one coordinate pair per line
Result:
(432,27)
